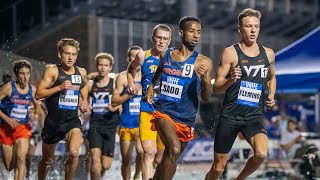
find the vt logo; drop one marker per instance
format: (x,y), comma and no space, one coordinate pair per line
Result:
(100,95)
(255,69)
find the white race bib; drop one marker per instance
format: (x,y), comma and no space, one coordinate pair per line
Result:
(134,105)
(19,111)
(68,99)
(249,94)
(171,88)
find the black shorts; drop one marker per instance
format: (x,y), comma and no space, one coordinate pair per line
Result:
(102,138)
(228,129)
(53,134)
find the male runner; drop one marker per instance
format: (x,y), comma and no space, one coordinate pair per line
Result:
(15,132)
(148,62)
(104,117)
(184,74)
(246,70)
(61,85)
(129,126)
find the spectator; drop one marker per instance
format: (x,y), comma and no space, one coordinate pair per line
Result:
(290,139)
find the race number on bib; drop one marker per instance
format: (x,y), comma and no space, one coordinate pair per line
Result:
(68,99)
(134,105)
(249,94)
(19,111)
(76,79)
(264,72)
(171,88)
(187,70)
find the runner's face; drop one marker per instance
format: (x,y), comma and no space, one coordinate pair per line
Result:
(68,56)
(104,67)
(250,28)
(133,54)
(23,76)
(161,40)
(191,33)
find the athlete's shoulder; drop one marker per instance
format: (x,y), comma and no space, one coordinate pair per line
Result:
(6,87)
(229,55)
(204,58)
(270,54)
(122,75)
(82,70)
(50,67)
(268,50)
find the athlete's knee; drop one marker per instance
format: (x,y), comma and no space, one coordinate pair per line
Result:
(95,164)
(74,154)
(175,150)
(47,160)
(260,156)
(106,166)
(21,159)
(150,152)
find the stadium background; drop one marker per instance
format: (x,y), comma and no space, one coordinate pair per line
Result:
(30,29)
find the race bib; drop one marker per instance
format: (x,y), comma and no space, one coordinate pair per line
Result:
(19,111)
(187,70)
(69,99)
(249,93)
(76,79)
(171,88)
(100,106)
(134,105)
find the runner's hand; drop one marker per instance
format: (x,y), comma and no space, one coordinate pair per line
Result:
(131,88)
(111,108)
(203,69)
(83,107)
(13,122)
(235,73)
(65,85)
(270,101)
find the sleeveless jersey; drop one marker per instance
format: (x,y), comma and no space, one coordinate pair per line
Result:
(179,89)
(148,70)
(131,111)
(63,105)
(100,99)
(16,106)
(245,98)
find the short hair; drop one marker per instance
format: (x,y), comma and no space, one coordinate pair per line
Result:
(20,64)
(133,48)
(162,27)
(185,19)
(248,12)
(104,55)
(67,42)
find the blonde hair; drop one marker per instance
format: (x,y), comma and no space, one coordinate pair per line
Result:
(248,12)
(67,42)
(162,27)
(104,55)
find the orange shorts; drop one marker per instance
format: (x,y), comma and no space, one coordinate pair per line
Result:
(184,132)
(8,135)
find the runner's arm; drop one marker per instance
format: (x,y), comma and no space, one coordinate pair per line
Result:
(205,69)
(44,90)
(228,61)
(117,98)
